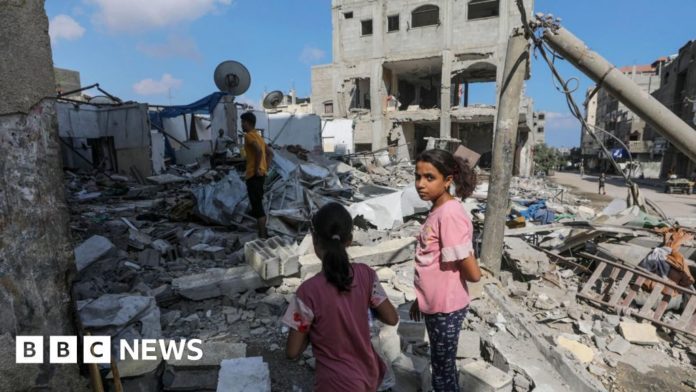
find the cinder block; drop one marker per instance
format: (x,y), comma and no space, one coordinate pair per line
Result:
(639,333)
(480,376)
(273,258)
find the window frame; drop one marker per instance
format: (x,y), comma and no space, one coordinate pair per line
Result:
(477,2)
(348,15)
(398,23)
(423,9)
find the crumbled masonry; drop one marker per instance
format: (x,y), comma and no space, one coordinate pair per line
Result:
(218,282)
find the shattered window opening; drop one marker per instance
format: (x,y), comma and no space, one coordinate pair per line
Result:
(479,9)
(426,15)
(366,27)
(348,15)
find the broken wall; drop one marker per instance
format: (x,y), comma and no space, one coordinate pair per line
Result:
(128,126)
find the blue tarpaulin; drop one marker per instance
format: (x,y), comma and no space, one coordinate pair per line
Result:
(619,153)
(538,212)
(204,105)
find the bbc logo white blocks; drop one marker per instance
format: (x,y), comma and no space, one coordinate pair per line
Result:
(63,349)
(96,349)
(29,349)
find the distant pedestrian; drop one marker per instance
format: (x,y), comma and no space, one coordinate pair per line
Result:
(602,181)
(331,310)
(445,260)
(582,168)
(221,144)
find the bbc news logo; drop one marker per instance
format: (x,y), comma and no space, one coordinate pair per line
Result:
(97,349)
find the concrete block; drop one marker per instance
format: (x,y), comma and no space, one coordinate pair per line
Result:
(93,249)
(619,345)
(480,376)
(244,375)
(469,345)
(216,282)
(208,252)
(639,333)
(580,351)
(412,373)
(412,331)
(149,258)
(273,257)
(390,343)
(385,274)
(187,375)
(386,253)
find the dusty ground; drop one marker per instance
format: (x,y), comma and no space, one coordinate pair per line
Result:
(286,375)
(674,205)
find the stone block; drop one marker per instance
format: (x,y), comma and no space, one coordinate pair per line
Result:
(216,282)
(386,253)
(395,296)
(639,333)
(200,375)
(619,345)
(469,345)
(93,249)
(413,332)
(480,376)
(208,252)
(244,375)
(385,274)
(580,351)
(273,258)
(412,373)
(390,343)
(149,258)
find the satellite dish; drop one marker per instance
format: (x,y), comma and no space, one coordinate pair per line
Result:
(273,99)
(232,77)
(101,100)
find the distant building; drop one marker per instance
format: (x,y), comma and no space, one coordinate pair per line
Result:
(420,69)
(293,105)
(605,112)
(678,92)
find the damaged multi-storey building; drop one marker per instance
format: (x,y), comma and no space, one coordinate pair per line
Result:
(406,70)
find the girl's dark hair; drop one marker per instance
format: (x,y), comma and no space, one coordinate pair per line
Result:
(448,165)
(332,227)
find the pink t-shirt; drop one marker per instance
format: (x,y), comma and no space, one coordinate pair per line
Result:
(339,331)
(444,239)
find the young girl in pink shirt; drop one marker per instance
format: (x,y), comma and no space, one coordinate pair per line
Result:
(445,260)
(331,309)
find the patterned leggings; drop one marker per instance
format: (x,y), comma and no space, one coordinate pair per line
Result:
(443,332)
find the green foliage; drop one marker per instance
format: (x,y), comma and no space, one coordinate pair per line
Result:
(545,158)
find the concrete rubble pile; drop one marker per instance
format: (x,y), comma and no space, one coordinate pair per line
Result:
(178,258)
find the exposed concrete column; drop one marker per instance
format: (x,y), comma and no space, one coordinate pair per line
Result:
(445,95)
(377,109)
(37,261)
(507,119)
(336,47)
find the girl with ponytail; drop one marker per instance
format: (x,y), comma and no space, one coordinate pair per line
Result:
(445,260)
(330,310)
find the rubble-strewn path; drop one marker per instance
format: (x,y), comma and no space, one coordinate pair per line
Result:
(674,205)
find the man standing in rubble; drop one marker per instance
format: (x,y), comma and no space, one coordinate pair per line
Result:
(258,157)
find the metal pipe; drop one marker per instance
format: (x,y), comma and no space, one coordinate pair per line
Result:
(507,122)
(668,124)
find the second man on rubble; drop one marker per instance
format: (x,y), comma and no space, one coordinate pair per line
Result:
(258,157)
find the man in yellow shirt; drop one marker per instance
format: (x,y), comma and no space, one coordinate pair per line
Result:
(258,158)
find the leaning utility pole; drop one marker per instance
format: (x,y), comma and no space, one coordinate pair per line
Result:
(620,86)
(36,259)
(516,65)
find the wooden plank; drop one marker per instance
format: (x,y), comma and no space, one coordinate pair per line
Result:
(628,275)
(662,307)
(687,313)
(595,275)
(613,276)
(633,292)
(646,310)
